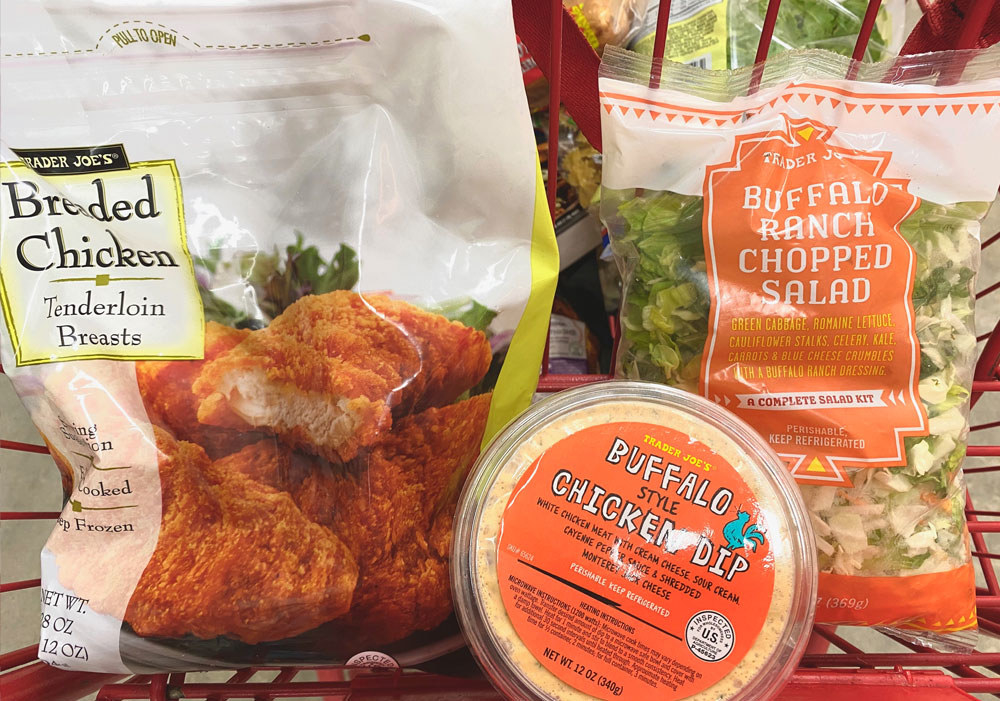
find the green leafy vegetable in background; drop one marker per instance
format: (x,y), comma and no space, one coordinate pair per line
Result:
(900,520)
(299,271)
(468,312)
(280,278)
(219,310)
(802,24)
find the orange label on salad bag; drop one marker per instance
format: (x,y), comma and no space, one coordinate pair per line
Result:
(633,563)
(811,335)
(944,600)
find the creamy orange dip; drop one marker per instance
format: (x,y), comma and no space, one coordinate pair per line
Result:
(535,443)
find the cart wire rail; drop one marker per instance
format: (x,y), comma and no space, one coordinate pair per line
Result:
(831,661)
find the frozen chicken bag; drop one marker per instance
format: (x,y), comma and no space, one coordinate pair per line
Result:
(270,273)
(805,254)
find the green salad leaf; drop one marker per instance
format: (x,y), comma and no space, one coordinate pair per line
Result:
(803,24)
(279,279)
(468,312)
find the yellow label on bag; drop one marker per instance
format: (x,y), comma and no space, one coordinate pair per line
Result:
(697,34)
(94,260)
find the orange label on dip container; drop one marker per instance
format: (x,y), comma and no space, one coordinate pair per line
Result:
(811,335)
(634,563)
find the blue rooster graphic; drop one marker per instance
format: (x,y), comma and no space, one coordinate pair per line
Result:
(739,534)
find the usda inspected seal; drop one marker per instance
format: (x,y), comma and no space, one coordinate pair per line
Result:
(709,636)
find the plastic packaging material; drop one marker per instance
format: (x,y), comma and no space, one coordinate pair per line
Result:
(940,25)
(719,34)
(263,299)
(573,348)
(698,33)
(579,164)
(832,25)
(806,255)
(629,540)
(578,229)
(607,22)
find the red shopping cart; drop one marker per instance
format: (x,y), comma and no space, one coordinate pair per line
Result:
(832,662)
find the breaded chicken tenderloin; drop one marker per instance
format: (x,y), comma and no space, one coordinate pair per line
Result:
(395,514)
(165,386)
(235,557)
(328,373)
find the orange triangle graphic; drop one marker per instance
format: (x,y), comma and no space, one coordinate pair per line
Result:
(989,107)
(923,108)
(623,109)
(820,100)
(638,112)
(834,103)
(608,108)
(886,108)
(850,107)
(973,108)
(941,108)
(957,108)
(686,117)
(654,115)
(905,108)
(720,122)
(867,108)
(772,102)
(786,98)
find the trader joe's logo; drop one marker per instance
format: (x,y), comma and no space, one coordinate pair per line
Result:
(812,335)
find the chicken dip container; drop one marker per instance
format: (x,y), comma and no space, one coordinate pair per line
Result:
(628,540)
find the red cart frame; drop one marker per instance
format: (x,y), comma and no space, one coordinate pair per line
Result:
(883,676)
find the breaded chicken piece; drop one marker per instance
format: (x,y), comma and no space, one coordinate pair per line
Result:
(165,386)
(236,558)
(328,373)
(404,583)
(395,514)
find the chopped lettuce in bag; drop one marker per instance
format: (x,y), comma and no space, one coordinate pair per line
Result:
(833,25)
(722,34)
(807,257)
(243,255)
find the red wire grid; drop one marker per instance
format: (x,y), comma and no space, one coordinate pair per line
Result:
(882,676)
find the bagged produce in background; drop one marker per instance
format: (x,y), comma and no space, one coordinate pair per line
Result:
(270,273)
(833,25)
(606,22)
(721,34)
(806,256)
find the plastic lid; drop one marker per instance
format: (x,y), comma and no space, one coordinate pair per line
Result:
(628,540)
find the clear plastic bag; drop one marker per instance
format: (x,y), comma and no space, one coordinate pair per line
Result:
(270,273)
(607,22)
(813,24)
(723,208)
(722,34)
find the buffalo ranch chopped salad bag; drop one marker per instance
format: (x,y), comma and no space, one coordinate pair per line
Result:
(270,274)
(806,256)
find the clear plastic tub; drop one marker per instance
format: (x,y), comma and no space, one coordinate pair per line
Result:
(628,540)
